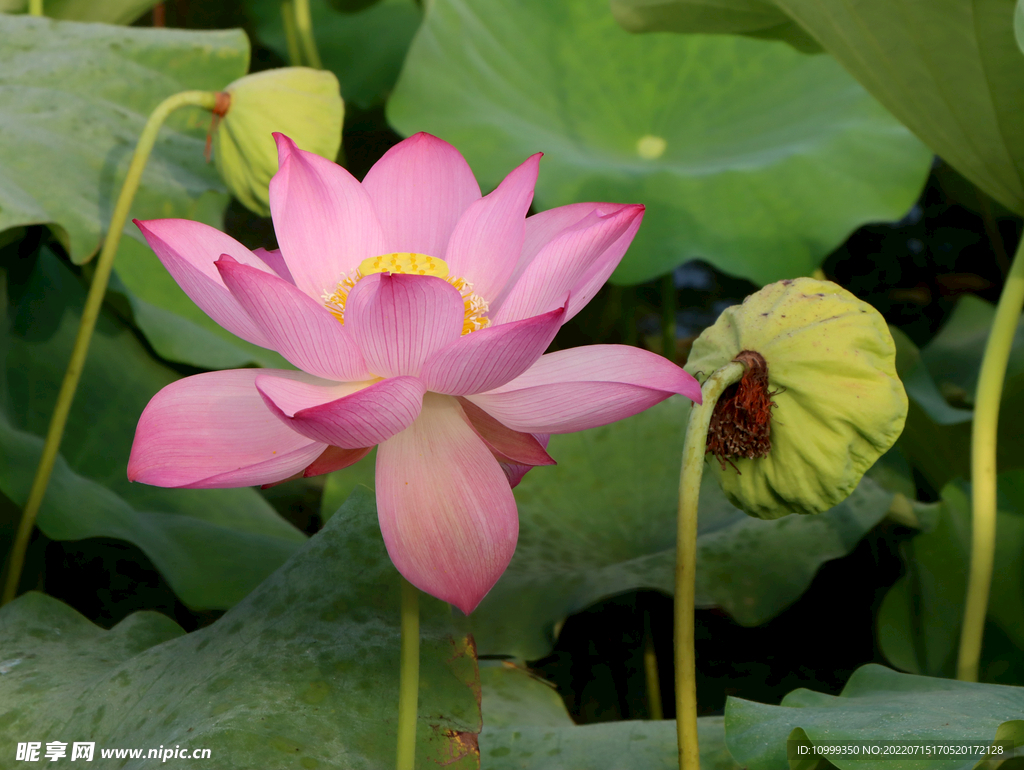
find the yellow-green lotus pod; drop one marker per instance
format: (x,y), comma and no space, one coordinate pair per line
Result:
(832,399)
(301,103)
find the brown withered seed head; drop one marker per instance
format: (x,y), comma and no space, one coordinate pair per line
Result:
(742,420)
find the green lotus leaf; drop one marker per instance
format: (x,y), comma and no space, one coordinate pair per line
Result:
(832,373)
(106,11)
(746,153)
(881,705)
(753,18)
(75,98)
(526,727)
(919,619)
(302,103)
(1018,24)
(950,71)
(301,674)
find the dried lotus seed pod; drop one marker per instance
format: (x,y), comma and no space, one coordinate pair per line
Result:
(831,402)
(302,103)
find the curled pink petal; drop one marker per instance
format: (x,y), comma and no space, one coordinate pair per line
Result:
(345,415)
(515,472)
(275,262)
(334,459)
(298,327)
(324,220)
(420,188)
(189,250)
(212,430)
(445,507)
(488,238)
(490,357)
(564,263)
(583,388)
(507,445)
(399,321)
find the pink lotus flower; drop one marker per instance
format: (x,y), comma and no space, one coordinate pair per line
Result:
(417,313)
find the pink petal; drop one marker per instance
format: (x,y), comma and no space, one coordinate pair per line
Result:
(542,228)
(346,415)
(188,250)
(298,327)
(334,459)
(485,359)
(275,262)
(213,430)
(565,263)
(324,220)
(586,387)
(598,273)
(446,510)
(420,188)
(515,472)
(507,445)
(399,321)
(488,239)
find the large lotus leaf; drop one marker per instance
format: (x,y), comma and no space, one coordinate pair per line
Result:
(936,438)
(107,11)
(365,49)
(76,97)
(921,388)
(1018,24)
(747,154)
(526,727)
(603,521)
(881,705)
(953,356)
(919,620)
(303,673)
(213,546)
(754,18)
(950,71)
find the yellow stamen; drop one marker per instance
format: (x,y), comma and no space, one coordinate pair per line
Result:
(409,263)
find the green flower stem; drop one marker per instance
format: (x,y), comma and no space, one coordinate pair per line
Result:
(409,677)
(983,466)
(668,316)
(686,560)
(35,7)
(304,28)
(91,311)
(291,34)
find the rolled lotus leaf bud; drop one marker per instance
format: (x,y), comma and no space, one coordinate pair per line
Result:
(302,103)
(819,401)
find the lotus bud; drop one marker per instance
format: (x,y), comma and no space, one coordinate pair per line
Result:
(302,103)
(819,401)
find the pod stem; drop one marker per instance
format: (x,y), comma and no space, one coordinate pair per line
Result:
(291,34)
(409,677)
(35,7)
(983,467)
(694,449)
(90,313)
(304,28)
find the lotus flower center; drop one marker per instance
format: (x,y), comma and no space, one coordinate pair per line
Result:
(408,263)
